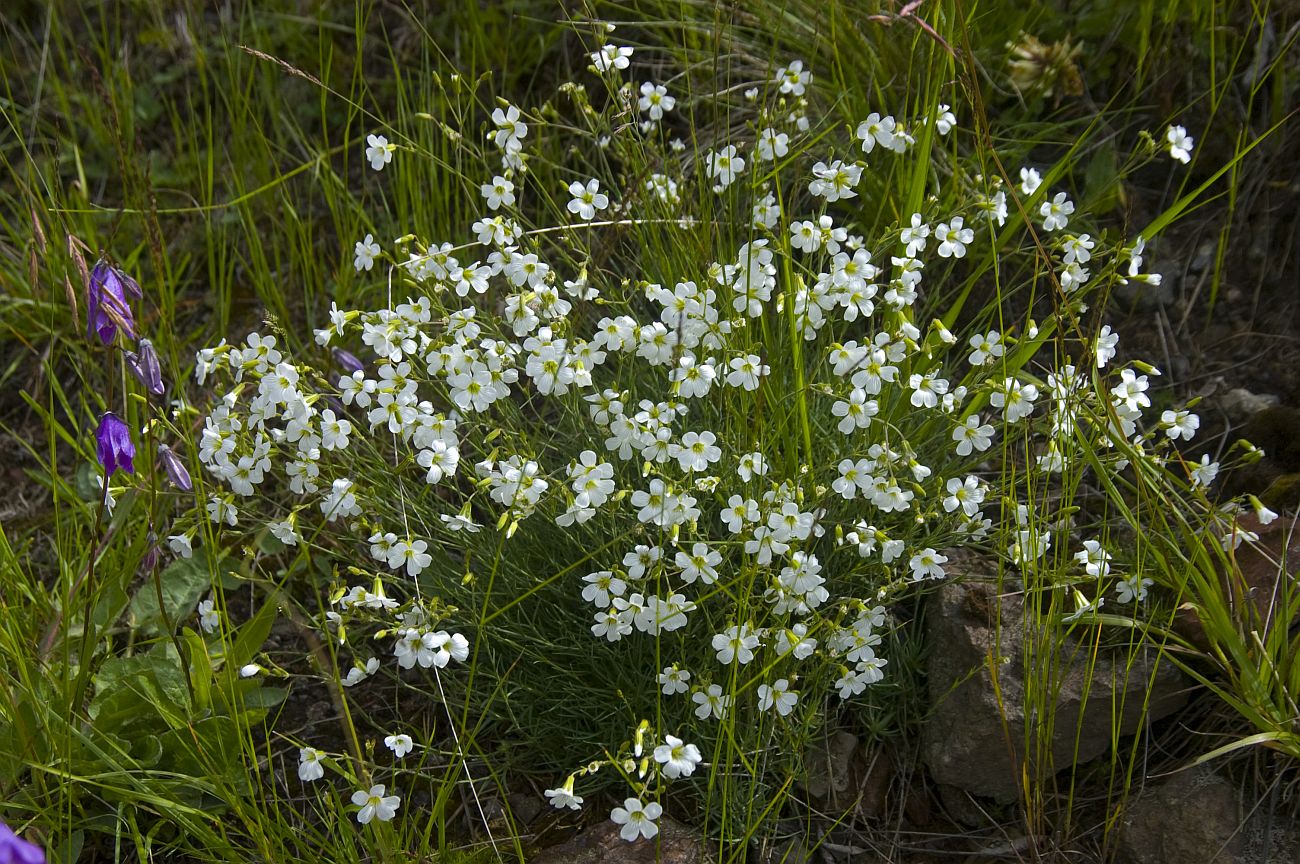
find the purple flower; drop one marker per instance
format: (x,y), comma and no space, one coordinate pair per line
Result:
(348,361)
(113,443)
(145,367)
(109,307)
(175,468)
(16,850)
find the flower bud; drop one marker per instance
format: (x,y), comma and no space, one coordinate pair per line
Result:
(145,367)
(151,557)
(175,468)
(113,445)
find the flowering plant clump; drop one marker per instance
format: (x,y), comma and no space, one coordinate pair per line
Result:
(733,426)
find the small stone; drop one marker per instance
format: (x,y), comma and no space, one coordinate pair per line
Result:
(1239,403)
(601,844)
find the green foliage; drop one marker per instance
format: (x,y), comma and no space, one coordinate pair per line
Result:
(217,155)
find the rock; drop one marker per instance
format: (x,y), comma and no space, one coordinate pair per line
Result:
(1195,817)
(1239,403)
(975,735)
(842,775)
(601,844)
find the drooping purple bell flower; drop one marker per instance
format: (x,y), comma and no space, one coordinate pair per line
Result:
(145,367)
(175,468)
(16,850)
(113,444)
(109,303)
(348,361)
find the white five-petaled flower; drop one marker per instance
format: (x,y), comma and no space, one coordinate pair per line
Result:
(611,57)
(711,702)
(637,819)
(587,199)
(1030,180)
(1056,213)
(1180,424)
(375,804)
(309,767)
(655,100)
(678,758)
(400,744)
(563,796)
(674,680)
(365,252)
(926,564)
(209,618)
(499,193)
(778,696)
(380,152)
(1179,143)
(793,79)
(953,238)
(736,644)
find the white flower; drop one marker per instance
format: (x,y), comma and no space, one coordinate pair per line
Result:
(1132,588)
(637,819)
(180,545)
(655,100)
(678,758)
(673,680)
(611,57)
(1106,342)
(562,796)
(711,702)
(365,252)
(209,618)
(793,79)
(772,145)
(877,130)
(309,767)
(284,532)
(1204,473)
(926,565)
(1030,180)
(1094,558)
(1180,424)
(375,805)
(1056,212)
(736,643)
(587,199)
(380,152)
(399,744)
(971,436)
(499,193)
(778,696)
(1180,143)
(724,166)
(953,238)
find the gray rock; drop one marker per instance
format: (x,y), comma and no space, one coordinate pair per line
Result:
(1239,403)
(601,844)
(1196,817)
(974,739)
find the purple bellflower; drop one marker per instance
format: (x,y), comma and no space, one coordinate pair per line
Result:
(109,304)
(145,367)
(16,850)
(348,361)
(113,444)
(175,468)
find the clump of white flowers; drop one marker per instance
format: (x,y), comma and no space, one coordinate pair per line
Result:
(783,441)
